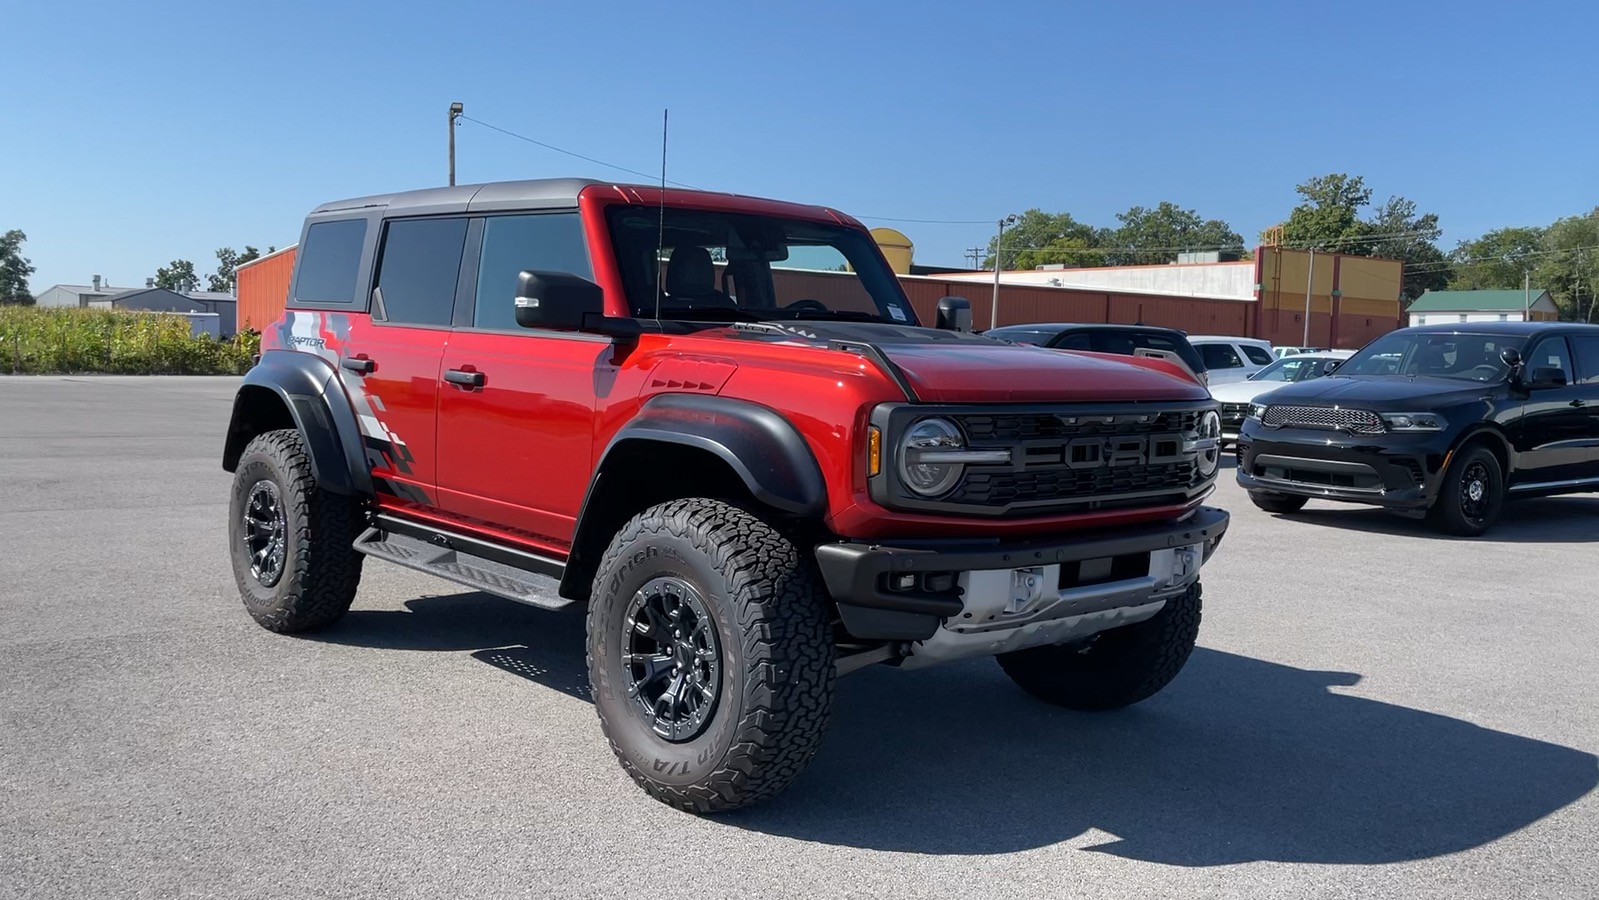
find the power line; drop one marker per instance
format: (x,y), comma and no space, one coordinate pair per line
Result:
(598,162)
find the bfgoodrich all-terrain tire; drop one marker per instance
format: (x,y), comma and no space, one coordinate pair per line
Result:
(1471,494)
(1277,503)
(290,541)
(710,655)
(1115,668)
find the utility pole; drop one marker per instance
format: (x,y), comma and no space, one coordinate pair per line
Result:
(1310,278)
(975,254)
(999,247)
(455,113)
(1526,295)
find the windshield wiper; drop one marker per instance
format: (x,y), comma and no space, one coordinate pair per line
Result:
(717,314)
(850,315)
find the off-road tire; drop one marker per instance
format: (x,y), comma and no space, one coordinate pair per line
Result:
(1449,512)
(321,569)
(1117,668)
(777,655)
(1278,503)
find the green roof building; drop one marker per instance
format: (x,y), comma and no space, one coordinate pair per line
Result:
(1443,307)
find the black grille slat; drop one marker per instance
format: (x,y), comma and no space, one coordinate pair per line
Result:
(1053,468)
(1355,421)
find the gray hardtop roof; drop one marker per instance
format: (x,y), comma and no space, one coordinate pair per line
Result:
(539,193)
(1508,328)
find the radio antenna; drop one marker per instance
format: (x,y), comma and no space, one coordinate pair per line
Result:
(660,241)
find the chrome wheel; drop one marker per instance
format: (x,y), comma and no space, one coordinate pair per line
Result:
(266,530)
(672,659)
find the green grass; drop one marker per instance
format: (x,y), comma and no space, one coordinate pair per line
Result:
(66,341)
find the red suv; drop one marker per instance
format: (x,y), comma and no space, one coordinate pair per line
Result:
(717,422)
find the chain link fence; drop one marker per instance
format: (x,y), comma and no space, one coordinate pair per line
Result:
(65,341)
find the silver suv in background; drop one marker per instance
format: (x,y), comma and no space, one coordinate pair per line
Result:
(1230,359)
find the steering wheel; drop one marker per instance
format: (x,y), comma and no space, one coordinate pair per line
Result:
(807,303)
(1488,370)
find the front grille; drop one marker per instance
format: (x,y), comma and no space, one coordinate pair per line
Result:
(1079,459)
(1354,421)
(1005,488)
(1233,415)
(997,430)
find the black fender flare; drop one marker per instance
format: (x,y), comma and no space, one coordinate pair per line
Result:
(763,448)
(1491,434)
(310,389)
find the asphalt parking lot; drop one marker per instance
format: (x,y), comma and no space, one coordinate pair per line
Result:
(1374,711)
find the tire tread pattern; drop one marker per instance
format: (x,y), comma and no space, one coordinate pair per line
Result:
(324,574)
(789,665)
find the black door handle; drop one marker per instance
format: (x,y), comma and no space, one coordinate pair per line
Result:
(358,364)
(464,378)
(1579,402)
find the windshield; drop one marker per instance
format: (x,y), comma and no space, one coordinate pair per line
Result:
(721,266)
(1293,368)
(1436,354)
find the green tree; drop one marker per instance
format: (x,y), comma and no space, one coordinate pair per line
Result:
(1568,266)
(1328,215)
(1395,231)
(1150,236)
(1328,218)
(1039,238)
(178,276)
(1495,260)
(14,270)
(228,261)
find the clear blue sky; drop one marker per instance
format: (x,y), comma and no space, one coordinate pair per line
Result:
(135,133)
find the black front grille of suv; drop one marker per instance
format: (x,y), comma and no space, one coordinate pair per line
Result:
(1075,460)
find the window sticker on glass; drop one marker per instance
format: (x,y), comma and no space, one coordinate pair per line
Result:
(897,313)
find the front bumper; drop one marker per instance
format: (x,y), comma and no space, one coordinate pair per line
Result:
(903,591)
(1395,470)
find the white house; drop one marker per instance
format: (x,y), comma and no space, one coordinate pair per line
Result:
(1445,307)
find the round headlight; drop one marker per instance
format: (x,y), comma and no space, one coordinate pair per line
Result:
(927,438)
(1209,430)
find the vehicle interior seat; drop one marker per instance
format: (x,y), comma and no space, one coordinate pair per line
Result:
(691,277)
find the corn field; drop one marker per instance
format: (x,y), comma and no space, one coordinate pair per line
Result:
(49,341)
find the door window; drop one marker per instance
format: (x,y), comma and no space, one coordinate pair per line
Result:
(1075,341)
(1220,356)
(1549,353)
(1257,355)
(1586,347)
(421,260)
(551,242)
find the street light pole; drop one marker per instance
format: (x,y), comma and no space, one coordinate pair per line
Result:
(999,246)
(1526,295)
(455,113)
(1310,278)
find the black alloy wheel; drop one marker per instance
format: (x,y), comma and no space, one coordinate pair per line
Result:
(265,532)
(1471,494)
(672,659)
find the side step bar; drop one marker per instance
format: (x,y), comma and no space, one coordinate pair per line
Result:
(467,561)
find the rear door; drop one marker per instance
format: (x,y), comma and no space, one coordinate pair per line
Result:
(395,354)
(1555,436)
(1585,358)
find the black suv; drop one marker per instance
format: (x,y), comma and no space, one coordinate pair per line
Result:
(1441,420)
(1122,340)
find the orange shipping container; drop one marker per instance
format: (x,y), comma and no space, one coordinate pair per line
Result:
(263,289)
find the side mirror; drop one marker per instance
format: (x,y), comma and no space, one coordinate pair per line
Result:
(557,300)
(1511,357)
(1553,376)
(954,314)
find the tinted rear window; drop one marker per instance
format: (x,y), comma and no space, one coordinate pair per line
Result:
(420,263)
(1257,355)
(1021,335)
(1220,356)
(330,262)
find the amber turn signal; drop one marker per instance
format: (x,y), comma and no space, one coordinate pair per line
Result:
(874,450)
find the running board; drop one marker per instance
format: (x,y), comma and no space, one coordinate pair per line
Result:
(447,556)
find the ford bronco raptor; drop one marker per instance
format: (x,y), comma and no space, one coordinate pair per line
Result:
(716,425)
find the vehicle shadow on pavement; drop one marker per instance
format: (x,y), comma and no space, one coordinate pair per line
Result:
(1545,520)
(1239,760)
(542,646)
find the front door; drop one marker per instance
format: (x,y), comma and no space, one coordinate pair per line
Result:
(516,423)
(1555,435)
